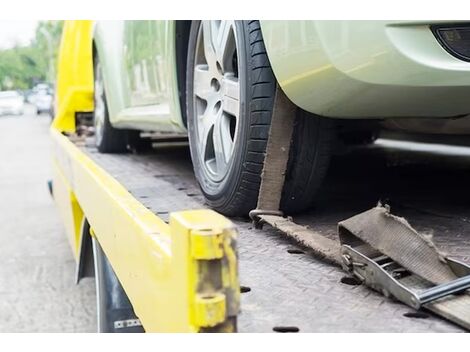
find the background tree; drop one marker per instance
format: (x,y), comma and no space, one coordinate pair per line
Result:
(21,67)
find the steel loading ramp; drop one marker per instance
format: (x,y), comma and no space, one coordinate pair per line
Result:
(288,289)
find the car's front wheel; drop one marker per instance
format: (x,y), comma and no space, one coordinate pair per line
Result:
(230,98)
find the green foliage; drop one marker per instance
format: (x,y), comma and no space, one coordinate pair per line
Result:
(23,66)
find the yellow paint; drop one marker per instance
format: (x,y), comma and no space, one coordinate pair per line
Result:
(70,211)
(211,272)
(207,244)
(74,87)
(209,310)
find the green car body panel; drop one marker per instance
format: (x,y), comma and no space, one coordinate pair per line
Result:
(367,69)
(337,69)
(139,69)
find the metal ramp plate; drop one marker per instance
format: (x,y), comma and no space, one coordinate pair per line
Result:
(289,289)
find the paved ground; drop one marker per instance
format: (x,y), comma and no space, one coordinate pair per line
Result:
(37,289)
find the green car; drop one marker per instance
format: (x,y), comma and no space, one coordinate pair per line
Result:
(216,80)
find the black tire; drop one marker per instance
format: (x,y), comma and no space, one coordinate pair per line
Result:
(114,310)
(110,140)
(136,143)
(238,194)
(309,158)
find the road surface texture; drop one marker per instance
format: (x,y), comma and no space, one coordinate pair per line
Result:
(288,286)
(37,289)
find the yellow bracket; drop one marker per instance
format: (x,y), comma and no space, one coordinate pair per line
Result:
(207,244)
(211,271)
(209,310)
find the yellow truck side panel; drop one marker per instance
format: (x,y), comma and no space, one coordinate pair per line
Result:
(70,211)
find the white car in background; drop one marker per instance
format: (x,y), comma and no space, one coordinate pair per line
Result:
(43,102)
(11,103)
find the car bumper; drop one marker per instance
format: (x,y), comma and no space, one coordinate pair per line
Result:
(11,111)
(367,69)
(43,107)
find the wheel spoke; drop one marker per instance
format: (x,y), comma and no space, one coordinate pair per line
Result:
(225,44)
(99,111)
(98,88)
(227,142)
(208,29)
(206,122)
(218,149)
(99,100)
(202,79)
(231,96)
(204,140)
(223,143)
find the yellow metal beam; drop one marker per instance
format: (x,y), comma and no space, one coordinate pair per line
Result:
(181,276)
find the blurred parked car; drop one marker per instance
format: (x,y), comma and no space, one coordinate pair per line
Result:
(43,102)
(11,103)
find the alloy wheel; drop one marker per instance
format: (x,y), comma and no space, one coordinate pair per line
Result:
(216,96)
(100,106)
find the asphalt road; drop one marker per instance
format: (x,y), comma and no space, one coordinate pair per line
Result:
(37,289)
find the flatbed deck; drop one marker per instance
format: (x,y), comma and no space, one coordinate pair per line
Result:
(288,288)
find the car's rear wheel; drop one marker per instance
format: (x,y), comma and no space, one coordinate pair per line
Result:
(230,97)
(107,138)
